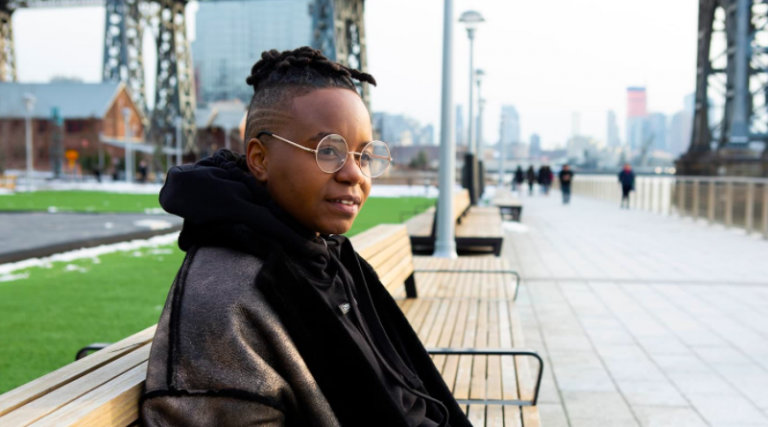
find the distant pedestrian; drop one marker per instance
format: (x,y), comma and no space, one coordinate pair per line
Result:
(545,179)
(143,171)
(530,175)
(627,180)
(519,178)
(97,173)
(566,178)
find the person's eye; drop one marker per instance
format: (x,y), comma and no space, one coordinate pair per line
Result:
(328,152)
(365,158)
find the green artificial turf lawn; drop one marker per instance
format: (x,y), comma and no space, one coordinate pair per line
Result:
(53,313)
(79,201)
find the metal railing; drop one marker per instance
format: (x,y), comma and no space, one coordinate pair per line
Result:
(733,202)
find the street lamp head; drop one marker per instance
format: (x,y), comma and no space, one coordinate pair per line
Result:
(29,102)
(479,75)
(471,19)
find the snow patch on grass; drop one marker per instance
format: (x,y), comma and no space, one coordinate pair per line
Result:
(133,245)
(75,267)
(13,277)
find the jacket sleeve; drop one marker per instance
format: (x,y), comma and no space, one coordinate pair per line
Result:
(213,361)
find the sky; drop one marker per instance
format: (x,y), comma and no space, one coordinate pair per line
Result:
(547,58)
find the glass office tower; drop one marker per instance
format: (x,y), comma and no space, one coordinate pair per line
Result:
(230,36)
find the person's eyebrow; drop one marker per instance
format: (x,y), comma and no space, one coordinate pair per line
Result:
(319,136)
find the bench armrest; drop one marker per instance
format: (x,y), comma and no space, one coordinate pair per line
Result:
(85,351)
(495,352)
(512,272)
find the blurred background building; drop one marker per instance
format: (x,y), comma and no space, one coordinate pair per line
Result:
(230,36)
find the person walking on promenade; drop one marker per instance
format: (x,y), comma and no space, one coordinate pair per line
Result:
(519,178)
(274,319)
(566,178)
(530,175)
(143,167)
(627,180)
(545,179)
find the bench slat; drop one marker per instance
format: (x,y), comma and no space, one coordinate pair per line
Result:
(52,381)
(56,399)
(114,405)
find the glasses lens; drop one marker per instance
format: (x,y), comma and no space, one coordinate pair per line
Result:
(331,153)
(375,159)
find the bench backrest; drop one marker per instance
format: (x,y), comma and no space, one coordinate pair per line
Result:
(461,203)
(103,389)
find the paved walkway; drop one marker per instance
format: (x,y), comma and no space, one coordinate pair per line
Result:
(644,320)
(34,234)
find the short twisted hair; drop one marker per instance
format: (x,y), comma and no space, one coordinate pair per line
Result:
(278,77)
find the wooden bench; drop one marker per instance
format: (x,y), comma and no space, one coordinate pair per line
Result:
(491,380)
(476,227)
(508,205)
(8,182)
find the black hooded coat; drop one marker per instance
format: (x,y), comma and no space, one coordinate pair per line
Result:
(247,339)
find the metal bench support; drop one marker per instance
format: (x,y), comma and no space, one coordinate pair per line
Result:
(495,352)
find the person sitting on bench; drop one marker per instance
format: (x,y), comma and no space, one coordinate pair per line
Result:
(273,319)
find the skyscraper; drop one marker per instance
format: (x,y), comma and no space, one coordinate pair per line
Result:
(535,149)
(637,114)
(612,138)
(575,123)
(657,131)
(510,125)
(231,35)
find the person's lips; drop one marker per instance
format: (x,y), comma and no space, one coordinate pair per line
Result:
(347,203)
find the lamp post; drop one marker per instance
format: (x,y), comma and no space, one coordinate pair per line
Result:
(471,20)
(128,152)
(501,152)
(177,122)
(445,242)
(479,74)
(29,105)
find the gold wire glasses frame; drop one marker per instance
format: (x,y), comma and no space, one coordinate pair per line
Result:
(332,153)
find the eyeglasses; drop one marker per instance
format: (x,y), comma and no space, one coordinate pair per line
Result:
(332,153)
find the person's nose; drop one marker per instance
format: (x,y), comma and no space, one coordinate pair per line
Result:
(350,173)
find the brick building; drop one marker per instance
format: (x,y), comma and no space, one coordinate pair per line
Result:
(87,110)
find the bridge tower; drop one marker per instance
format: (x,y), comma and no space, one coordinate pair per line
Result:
(7,54)
(731,101)
(126,21)
(339,32)
(122,61)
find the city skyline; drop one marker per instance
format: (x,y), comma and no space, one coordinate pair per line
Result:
(527,74)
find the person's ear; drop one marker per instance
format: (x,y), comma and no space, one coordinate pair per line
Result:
(257,158)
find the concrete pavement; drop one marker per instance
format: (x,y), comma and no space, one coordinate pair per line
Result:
(644,320)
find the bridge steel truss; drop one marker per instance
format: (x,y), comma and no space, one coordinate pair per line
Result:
(7,54)
(338,31)
(731,75)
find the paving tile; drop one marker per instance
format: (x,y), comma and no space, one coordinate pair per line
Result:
(701,383)
(666,416)
(552,415)
(579,379)
(728,410)
(680,363)
(596,405)
(602,422)
(656,393)
(721,355)
(634,370)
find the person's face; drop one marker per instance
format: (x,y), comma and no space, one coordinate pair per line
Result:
(323,202)
(566,168)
